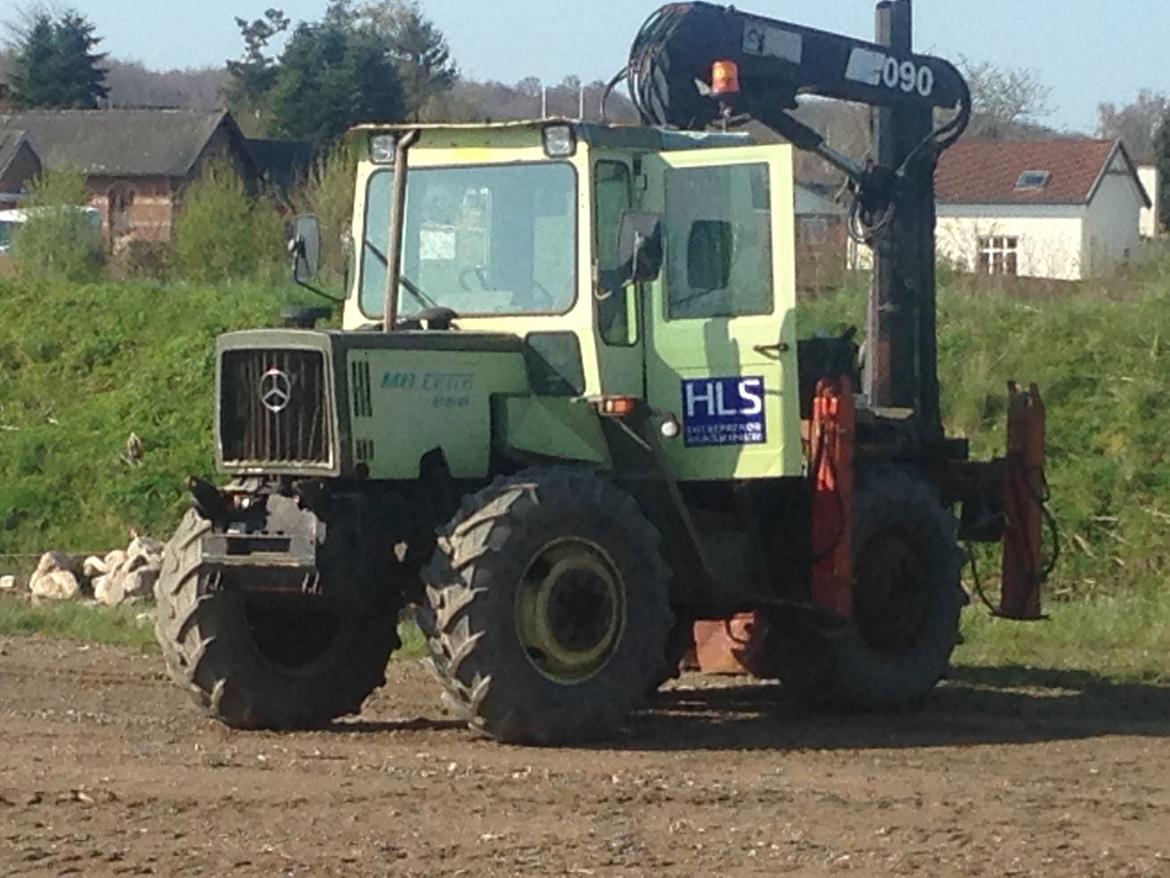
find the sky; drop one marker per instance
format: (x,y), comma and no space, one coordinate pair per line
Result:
(1087,51)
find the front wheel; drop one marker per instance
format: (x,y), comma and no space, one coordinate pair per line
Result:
(273,662)
(549,607)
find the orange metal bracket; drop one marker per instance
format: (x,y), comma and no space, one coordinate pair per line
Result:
(732,646)
(834,417)
(1023,504)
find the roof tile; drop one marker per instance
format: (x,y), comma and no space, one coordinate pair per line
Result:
(986,171)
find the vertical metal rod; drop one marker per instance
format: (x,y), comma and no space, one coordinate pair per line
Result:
(397,215)
(901,362)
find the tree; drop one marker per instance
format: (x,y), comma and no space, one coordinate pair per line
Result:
(332,76)
(420,50)
(55,64)
(252,79)
(1004,101)
(1136,124)
(1162,151)
(59,237)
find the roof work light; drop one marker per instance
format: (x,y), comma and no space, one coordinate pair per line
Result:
(559,141)
(383,148)
(724,78)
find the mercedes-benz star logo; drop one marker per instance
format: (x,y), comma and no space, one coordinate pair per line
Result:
(275,391)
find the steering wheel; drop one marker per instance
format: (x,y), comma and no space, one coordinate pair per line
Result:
(480,275)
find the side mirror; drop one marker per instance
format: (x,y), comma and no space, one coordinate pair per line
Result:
(306,248)
(640,246)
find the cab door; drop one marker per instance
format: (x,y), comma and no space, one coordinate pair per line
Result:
(721,333)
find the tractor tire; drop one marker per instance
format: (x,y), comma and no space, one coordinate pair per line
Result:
(264,663)
(906,604)
(548,608)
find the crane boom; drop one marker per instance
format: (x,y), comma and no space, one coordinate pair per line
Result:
(777,61)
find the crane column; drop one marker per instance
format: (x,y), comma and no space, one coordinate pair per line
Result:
(902,353)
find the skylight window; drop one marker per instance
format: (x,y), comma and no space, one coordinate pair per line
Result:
(1032,180)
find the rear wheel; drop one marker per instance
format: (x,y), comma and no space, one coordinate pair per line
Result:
(265,661)
(549,608)
(907,598)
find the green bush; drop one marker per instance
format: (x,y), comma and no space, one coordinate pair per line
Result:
(59,239)
(225,233)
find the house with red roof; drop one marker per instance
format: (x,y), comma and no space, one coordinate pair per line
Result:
(1062,209)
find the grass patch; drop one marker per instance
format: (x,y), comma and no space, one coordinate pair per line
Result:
(119,626)
(414,643)
(87,365)
(1122,639)
(70,620)
(1101,366)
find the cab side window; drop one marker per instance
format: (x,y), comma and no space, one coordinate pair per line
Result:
(718,238)
(616,314)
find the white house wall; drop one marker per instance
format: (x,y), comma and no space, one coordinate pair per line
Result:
(1150,181)
(1051,238)
(1112,233)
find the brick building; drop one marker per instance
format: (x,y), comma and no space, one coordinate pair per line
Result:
(136,162)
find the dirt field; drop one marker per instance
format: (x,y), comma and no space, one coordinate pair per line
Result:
(108,770)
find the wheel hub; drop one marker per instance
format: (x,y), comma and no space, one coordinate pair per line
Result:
(570,609)
(292,634)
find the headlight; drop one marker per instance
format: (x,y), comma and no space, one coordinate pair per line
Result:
(559,141)
(383,148)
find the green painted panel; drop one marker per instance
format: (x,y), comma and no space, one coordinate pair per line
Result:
(568,429)
(420,400)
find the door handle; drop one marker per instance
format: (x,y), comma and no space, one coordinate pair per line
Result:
(779,347)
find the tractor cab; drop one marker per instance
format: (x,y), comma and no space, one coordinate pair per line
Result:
(633,263)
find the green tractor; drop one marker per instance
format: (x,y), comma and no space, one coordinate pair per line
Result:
(568,416)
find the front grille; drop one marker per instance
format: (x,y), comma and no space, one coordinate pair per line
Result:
(274,408)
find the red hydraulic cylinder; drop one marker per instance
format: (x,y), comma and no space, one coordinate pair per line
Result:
(1023,503)
(832,437)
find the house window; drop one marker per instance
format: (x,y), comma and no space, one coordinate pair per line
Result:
(999,255)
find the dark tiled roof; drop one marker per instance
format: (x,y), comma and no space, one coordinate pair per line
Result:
(987,171)
(119,143)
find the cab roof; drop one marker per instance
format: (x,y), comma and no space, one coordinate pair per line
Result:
(595,134)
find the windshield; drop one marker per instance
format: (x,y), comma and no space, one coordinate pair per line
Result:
(482,240)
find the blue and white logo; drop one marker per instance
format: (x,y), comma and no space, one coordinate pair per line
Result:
(724,411)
